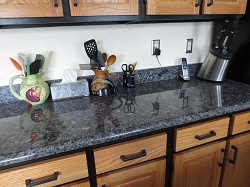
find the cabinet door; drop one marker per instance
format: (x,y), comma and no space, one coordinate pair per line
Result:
(103,7)
(237,172)
(199,166)
(81,183)
(170,7)
(149,174)
(30,8)
(224,6)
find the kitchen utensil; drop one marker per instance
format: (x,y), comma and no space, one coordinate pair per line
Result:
(22,62)
(100,59)
(42,59)
(85,66)
(127,68)
(33,89)
(92,52)
(111,61)
(16,64)
(27,64)
(35,66)
(222,34)
(133,72)
(104,56)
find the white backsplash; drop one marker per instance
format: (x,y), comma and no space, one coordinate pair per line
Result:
(130,43)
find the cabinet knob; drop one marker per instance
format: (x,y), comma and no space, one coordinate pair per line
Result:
(56,3)
(31,184)
(211,3)
(248,122)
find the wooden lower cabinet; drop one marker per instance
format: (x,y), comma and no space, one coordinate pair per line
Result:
(198,167)
(148,174)
(81,183)
(237,171)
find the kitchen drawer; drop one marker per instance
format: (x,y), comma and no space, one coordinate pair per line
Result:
(131,152)
(201,133)
(240,123)
(69,168)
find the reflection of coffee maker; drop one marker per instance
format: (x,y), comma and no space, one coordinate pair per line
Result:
(215,66)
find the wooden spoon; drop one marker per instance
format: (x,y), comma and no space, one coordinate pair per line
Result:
(111,61)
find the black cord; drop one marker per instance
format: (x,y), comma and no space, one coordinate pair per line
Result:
(157,52)
(158,60)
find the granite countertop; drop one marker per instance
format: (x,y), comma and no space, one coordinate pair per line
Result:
(28,133)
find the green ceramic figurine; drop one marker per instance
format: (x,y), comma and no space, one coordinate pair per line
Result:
(34,90)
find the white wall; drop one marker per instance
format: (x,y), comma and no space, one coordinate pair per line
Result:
(130,43)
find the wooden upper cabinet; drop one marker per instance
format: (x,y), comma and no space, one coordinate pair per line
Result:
(103,7)
(224,6)
(30,8)
(172,7)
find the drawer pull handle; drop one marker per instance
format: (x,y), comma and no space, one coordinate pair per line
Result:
(248,122)
(141,154)
(198,4)
(225,152)
(211,3)
(235,154)
(31,184)
(75,2)
(211,134)
(56,3)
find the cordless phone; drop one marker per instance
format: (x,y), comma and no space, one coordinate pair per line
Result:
(184,67)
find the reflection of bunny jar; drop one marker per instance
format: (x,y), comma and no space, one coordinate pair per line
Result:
(33,90)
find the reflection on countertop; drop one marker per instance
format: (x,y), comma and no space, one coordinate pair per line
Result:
(28,133)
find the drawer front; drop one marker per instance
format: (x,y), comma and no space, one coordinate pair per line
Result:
(198,134)
(240,123)
(131,152)
(69,168)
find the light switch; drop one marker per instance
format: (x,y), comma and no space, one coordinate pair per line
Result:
(189,45)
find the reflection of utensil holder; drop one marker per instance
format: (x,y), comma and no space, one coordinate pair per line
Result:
(128,80)
(130,103)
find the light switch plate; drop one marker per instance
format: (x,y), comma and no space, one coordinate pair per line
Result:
(189,45)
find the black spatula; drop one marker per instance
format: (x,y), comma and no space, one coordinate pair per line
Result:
(92,52)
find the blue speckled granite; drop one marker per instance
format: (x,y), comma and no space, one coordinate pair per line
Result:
(28,133)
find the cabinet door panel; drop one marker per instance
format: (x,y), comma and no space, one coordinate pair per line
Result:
(30,8)
(170,7)
(81,183)
(225,7)
(104,7)
(238,173)
(199,166)
(149,174)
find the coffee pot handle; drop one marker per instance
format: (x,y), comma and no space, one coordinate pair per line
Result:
(11,86)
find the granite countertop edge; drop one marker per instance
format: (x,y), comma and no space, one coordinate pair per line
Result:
(81,143)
